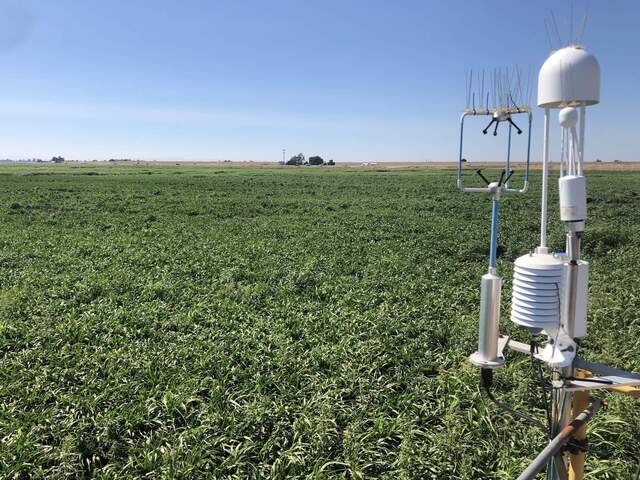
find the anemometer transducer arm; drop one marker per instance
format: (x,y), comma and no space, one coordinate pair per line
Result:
(505,188)
(502,180)
(512,123)
(486,129)
(501,117)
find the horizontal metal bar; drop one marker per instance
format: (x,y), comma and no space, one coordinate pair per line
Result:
(502,190)
(601,369)
(602,383)
(609,377)
(491,111)
(524,188)
(515,345)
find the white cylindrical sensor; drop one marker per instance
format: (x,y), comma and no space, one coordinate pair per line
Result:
(487,355)
(573,198)
(577,325)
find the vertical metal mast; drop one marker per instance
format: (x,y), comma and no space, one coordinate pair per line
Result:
(569,78)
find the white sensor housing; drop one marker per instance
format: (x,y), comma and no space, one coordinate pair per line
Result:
(488,355)
(582,294)
(573,198)
(569,78)
(537,287)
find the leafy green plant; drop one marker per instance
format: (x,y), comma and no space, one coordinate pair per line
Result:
(278,323)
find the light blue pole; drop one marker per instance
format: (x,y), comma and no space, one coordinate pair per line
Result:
(526,170)
(494,231)
(460,151)
(508,167)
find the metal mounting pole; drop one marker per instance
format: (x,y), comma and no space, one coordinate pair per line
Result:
(559,441)
(561,401)
(487,355)
(568,317)
(578,400)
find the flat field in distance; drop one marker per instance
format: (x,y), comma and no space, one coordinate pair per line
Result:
(192,322)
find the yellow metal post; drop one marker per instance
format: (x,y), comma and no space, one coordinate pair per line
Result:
(579,401)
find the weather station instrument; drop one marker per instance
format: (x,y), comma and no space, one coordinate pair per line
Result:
(502,103)
(549,289)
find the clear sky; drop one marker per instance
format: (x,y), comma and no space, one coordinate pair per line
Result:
(350,80)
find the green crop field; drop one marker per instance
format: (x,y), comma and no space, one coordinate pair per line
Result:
(194,322)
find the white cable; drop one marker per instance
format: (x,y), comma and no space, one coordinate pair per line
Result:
(562,154)
(562,166)
(571,140)
(545,181)
(576,152)
(583,112)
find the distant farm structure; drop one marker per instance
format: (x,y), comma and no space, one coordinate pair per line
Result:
(316,160)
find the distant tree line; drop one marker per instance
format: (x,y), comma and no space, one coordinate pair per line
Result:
(299,160)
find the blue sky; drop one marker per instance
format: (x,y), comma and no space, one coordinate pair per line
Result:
(351,80)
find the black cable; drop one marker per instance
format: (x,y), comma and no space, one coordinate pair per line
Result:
(536,368)
(546,396)
(533,389)
(485,382)
(593,380)
(529,419)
